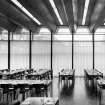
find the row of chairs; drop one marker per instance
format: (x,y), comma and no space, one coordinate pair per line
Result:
(9,93)
(37,76)
(16,102)
(14,74)
(67,74)
(95,78)
(27,74)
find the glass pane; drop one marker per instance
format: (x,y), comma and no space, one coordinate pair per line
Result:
(82,37)
(83,34)
(16,36)
(62,56)
(63,30)
(82,50)
(44,30)
(19,54)
(41,37)
(99,37)
(3,54)
(83,30)
(62,50)
(4,35)
(82,57)
(100,56)
(41,54)
(63,37)
(22,34)
(100,30)
(100,34)
(44,34)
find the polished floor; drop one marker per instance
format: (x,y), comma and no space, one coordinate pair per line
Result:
(69,93)
(78,93)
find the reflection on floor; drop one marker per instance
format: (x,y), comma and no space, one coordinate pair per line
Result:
(68,93)
(78,94)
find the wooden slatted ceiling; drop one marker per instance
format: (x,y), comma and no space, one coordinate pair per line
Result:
(90,11)
(80,5)
(61,11)
(40,10)
(44,12)
(15,15)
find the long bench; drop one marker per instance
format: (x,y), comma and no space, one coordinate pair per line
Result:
(15,74)
(100,88)
(10,88)
(41,101)
(68,74)
(91,74)
(40,74)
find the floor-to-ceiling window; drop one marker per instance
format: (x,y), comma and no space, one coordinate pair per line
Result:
(100,49)
(4,49)
(41,49)
(20,49)
(82,50)
(62,50)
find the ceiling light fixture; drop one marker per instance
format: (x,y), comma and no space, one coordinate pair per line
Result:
(56,11)
(85,11)
(25,11)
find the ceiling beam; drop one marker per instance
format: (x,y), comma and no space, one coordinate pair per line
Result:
(6,24)
(61,11)
(80,11)
(51,11)
(98,15)
(90,12)
(38,9)
(14,14)
(68,9)
(75,10)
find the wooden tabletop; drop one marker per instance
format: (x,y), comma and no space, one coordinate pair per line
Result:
(40,101)
(101,83)
(14,72)
(42,71)
(39,72)
(93,72)
(29,82)
(67,72)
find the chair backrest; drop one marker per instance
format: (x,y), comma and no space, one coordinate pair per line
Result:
(20,98)
(3,103)
(16,102)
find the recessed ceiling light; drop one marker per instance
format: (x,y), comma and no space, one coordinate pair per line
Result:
(85,11)
(26,11)
(56,11)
